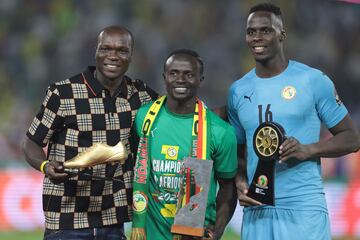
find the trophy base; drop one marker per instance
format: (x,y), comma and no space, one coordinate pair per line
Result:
(186,230)
(262,185)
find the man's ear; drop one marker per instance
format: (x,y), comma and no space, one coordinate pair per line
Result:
(283,35)
(202,78)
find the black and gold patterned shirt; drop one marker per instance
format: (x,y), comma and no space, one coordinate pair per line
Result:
(75,114)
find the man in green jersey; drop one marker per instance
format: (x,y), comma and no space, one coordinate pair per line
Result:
(176,126)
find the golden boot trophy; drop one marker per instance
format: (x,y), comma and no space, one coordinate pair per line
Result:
(99,153)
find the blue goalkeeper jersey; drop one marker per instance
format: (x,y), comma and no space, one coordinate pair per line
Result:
(300,99)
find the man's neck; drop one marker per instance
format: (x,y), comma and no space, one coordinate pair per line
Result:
(110,84)
(181,107)
(271,67)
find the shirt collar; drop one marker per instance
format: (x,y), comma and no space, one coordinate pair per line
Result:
(126,88)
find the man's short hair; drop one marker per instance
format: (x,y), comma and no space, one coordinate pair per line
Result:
(187,52)
(116,28)
(267,7)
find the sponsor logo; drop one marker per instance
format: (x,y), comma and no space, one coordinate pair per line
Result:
(139,202)
(153,132)
(262,181)
(248,97)
(288,93)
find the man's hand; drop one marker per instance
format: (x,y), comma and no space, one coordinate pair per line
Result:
(208,235)
(242,190)
(55,172)
(292,148)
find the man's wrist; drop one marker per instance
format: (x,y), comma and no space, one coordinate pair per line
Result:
(312,150)
(240,178)
(43,165)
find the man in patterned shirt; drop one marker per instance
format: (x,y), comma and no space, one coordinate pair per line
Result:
(96,106)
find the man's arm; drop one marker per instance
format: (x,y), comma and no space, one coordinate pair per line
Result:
(241,179)
(35,156)
(225,205)
(345,140)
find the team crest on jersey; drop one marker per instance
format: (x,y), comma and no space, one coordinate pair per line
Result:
(337,98)
(288,93)
(171,152)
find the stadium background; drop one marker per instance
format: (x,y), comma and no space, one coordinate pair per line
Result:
(45,41)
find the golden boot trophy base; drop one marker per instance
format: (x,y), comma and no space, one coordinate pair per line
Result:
(99,153)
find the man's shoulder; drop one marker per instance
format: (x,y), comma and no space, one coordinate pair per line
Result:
(243,81)
(136,83)
(66,85)
(141,114)
(218,125)
(302,67)
(146,106)
(144,109)
(312,78)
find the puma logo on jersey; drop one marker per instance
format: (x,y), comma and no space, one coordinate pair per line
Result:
(248,97)
(153,132)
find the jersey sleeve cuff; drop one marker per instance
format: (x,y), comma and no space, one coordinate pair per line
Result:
(226,175)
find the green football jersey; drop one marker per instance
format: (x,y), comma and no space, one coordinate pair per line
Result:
(169,142)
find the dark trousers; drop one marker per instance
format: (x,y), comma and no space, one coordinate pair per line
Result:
(113,232)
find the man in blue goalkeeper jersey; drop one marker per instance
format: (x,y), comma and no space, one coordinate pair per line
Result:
(299,98)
